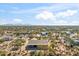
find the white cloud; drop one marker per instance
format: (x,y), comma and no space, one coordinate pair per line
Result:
(17,20)
(45,15)
(66,13)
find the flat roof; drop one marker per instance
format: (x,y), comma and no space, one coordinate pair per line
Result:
(38,42)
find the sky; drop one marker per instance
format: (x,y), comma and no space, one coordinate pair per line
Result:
(39,13)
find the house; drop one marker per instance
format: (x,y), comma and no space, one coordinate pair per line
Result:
(44,33)
(73,42)
(8,32)
(68,32)
(36,35)
(37,45)
(34,39)
(73,35)
(7,38)
(55,34)
(76,42)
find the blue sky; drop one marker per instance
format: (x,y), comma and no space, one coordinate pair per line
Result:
(40,13)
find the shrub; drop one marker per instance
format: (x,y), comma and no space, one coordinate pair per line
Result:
(1,41)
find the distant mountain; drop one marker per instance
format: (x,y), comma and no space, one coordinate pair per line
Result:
(15,25)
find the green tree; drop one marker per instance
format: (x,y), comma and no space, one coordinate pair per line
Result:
(2,53)
(18,42)
(1,41)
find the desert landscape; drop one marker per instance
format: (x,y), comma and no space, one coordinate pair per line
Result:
(39,40)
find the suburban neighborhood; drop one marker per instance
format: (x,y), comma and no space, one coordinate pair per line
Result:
(39,40)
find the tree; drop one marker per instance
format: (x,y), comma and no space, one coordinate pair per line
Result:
(2,53)
(18,42)
(1,41)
